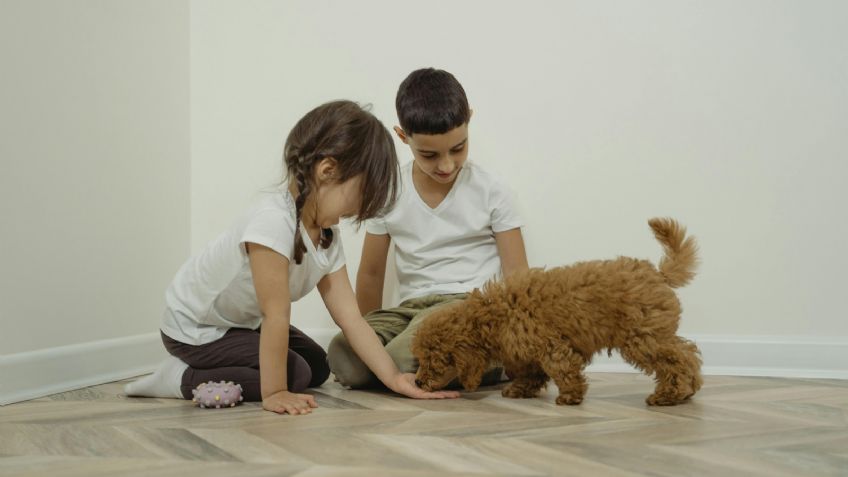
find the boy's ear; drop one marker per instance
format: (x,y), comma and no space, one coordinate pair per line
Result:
(401,135)
(326,169)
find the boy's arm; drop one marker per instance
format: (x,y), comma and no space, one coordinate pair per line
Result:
(270,272)
(372,272)
(511,250)
(338,295)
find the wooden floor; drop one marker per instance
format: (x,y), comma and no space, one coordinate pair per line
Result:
(734,426)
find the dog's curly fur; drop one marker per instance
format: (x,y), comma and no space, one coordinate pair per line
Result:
(549,323)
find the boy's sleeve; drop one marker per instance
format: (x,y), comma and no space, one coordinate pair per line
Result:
(376,226)
(273,229)
(502,206)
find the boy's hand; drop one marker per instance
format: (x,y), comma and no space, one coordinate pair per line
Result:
(405,384)
(292,403)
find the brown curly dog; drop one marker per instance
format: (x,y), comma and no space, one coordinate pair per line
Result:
(549,323)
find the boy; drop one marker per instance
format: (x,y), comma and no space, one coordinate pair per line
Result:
(453,227)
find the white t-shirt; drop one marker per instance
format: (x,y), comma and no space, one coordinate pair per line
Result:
(214,292)
(449,249)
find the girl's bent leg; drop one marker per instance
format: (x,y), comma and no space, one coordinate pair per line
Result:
(299,376)
(238,347)
(234,357)
(313,353)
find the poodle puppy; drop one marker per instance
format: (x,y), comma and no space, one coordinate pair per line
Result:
(545,324)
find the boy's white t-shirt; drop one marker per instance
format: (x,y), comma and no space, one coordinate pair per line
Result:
(213,291)
(449,249)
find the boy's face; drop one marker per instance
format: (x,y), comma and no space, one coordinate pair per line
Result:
(439,156)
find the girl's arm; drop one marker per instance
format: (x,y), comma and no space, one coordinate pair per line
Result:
(338,295)
(270,272)
(510,245)
(372,272)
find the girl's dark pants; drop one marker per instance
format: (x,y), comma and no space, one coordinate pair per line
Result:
(235,357)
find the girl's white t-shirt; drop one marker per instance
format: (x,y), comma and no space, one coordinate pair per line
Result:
(214,292)
(451,248)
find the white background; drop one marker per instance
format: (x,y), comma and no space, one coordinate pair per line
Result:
(729,116)
(131,133)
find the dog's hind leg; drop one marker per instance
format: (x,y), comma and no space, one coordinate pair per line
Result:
(527,380)
(565,367)
(675,361)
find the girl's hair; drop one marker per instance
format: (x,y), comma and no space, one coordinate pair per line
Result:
(359,143)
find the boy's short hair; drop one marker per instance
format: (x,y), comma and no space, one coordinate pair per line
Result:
(431,101)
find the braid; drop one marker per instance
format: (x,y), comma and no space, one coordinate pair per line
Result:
(326,238)
(302,194)
(304,189)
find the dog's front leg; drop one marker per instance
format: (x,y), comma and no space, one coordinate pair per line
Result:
(470,366)
(565,367)
(527,380)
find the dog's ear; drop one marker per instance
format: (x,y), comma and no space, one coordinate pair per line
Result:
(470,365)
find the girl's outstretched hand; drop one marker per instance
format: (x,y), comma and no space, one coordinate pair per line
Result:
(405,384)
(292,403)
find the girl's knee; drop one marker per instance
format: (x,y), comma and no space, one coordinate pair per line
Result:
(320,372)
(299,373)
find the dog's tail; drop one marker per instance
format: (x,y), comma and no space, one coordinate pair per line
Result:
(681,252)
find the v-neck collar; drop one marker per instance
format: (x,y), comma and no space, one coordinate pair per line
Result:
(435,210)
(319,255)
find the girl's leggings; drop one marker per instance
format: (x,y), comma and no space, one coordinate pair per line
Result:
(235,357)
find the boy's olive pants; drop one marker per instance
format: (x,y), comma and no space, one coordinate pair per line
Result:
(396,328)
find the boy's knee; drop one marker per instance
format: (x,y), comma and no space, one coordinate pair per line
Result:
(346,365)
(401,353)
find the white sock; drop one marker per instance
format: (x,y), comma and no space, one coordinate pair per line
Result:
(164,382)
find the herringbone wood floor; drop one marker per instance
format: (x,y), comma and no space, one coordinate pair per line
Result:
(734,426)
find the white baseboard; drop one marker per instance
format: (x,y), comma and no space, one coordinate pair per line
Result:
(776,356)
(39,373)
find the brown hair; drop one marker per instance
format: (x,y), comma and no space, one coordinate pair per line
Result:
(431,101)
(359,143)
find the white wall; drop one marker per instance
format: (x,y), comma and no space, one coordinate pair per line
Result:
(94,185)
(726,115)
(729,116)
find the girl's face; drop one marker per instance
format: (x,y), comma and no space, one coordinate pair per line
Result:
(335,200)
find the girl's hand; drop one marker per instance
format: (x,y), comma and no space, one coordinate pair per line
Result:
(405,384)
(292,403)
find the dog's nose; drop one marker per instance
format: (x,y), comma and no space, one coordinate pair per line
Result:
(418,383)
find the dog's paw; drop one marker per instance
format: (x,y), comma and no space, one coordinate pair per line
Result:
(516,391)
(568,399)
(658,399)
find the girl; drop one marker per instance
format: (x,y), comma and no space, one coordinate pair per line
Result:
(341,162)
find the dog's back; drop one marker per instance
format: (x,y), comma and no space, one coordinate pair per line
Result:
(600,304)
